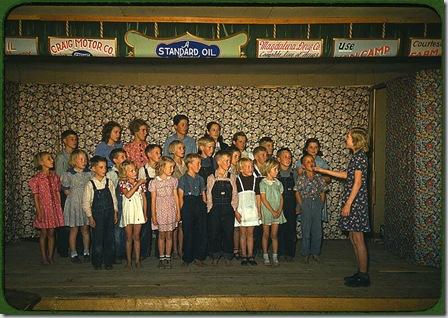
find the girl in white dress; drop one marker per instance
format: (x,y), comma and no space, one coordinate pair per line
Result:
(134,209)
(248,214)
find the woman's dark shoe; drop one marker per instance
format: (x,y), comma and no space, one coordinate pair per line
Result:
(361,280)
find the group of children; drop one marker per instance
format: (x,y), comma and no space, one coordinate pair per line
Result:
(202,199)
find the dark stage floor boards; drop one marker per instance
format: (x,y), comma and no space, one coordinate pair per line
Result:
(290,287)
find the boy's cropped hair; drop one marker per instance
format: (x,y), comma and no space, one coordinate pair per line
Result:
(264,140)
(204,141)
(150,147)
(107,130)
(115,152)
(173,145)
(67,133)
(220,154)
(135,125)
(96,160)
(259,149)
(304,156)
(178,118)
(238,134)
(279,152)
(190,157)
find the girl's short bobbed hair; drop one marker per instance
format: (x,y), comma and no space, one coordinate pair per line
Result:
(269,165)
(123,167)
(38,158)
(162,163)
(360,139)
(75,154)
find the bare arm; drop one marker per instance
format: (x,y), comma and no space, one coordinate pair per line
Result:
(299,202)
(353,193)
(180,194)
(38,207)
(128,193)
(145,213)
(153,207)
(266,203)
(204,197)
(336,174)
(176,197)
(257,197)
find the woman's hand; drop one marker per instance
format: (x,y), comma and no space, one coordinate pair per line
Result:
(346,210)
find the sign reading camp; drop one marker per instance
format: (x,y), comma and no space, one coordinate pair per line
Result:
(365,48)
(185,46)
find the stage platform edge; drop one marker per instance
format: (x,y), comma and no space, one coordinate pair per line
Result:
(236,304)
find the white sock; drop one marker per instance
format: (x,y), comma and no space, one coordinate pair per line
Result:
(266,256)
(274,257)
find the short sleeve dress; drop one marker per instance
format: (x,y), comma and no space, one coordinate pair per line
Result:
(165,203)
(75,182)
(47,187)
(132,207)
(273,190)
(358,219)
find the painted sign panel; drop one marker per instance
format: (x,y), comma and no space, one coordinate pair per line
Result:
(267,48)
(425,47)
(64,46)
(21,46)
(185,46)
(365,48)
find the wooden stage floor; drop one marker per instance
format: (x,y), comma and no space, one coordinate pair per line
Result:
(291,287)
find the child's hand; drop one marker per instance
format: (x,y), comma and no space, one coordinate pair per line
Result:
(317,169)
(300,170)
(298,209)
(141,181)
(66,192)
(146,218)
(115,217)
(92,222)
(238,216)
(154,220)
(177,217)
(346,210)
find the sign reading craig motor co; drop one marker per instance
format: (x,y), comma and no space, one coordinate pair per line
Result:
(21,46)
(289,48)
(82,47)
(425,47)
(185,46)
(365,48)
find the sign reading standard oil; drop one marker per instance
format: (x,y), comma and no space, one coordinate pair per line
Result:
(185,46)
(365,48)
(289,48)
(82,47)
(425,47)
(20,46)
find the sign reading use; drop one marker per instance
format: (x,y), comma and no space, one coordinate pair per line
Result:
(82,46)
(185,46)
(21,46)
(365,48)
(425,47)
(267,48)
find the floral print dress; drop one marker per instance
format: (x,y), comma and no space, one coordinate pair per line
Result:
(358,219)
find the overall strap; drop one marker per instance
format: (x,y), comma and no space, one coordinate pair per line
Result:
(241,183)
(93,185)
(253,186)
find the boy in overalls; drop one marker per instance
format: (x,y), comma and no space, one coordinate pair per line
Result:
(100,205)
(222,203)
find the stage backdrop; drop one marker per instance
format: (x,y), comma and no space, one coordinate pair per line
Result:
(36,114)
(413,199)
